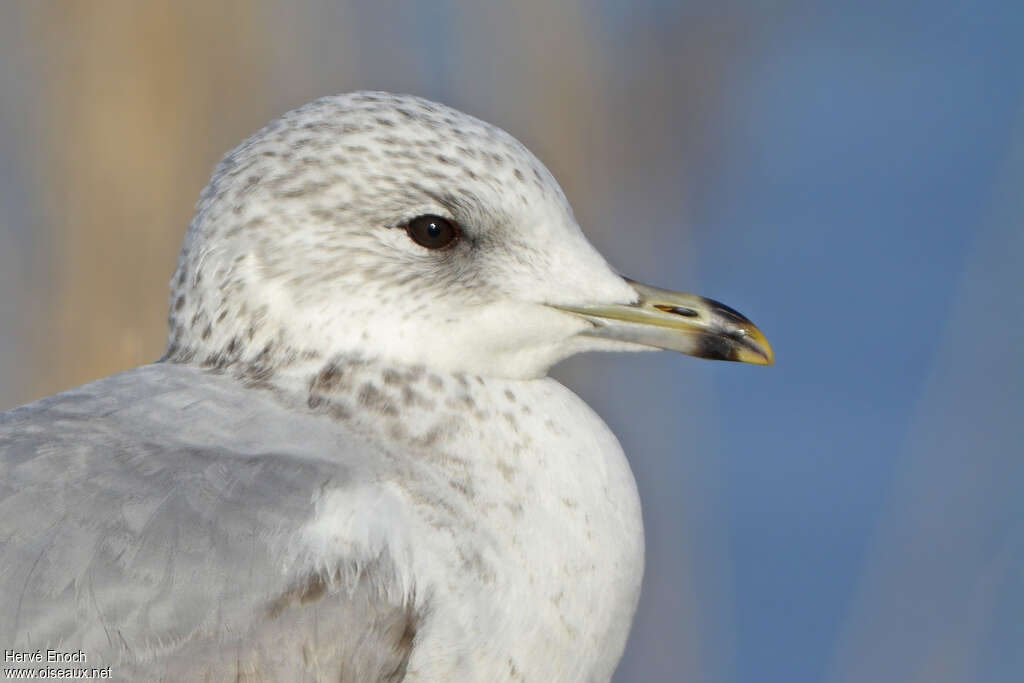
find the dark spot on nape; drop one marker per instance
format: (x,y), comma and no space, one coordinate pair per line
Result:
(442,432)
(234,346)
(413,398)
(320,213)
(327,379)
(372,398)
(468,173)
(463,487)
(256,375)
(216,361)
(519,175)
(460,402)
(381,121)
(399,155)
(404,113)
(435,382)
(510,396)
(264,354)
(207,331)
(251,224)
(171,352)
(250,184)
(430,438)
(179,303)
(310,188)
(391,376)
(444,160)
(223,314)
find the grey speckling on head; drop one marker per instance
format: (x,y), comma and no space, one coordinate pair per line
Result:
(350,464)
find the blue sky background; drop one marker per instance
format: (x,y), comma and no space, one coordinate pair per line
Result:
(850,175)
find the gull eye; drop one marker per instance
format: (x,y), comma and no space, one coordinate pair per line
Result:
(432,232)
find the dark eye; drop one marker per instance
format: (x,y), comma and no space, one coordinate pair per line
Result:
(432,232)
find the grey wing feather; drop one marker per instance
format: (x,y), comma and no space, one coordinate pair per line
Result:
(136,515)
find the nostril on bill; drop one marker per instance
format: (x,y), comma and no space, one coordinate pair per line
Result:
(678,310)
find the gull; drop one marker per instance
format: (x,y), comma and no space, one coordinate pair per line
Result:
(350,463)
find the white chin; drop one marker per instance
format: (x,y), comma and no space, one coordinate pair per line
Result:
(583,344)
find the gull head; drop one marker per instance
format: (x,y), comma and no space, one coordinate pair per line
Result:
(392,228)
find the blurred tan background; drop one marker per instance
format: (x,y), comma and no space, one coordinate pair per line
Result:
(129,105)
(846,173)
